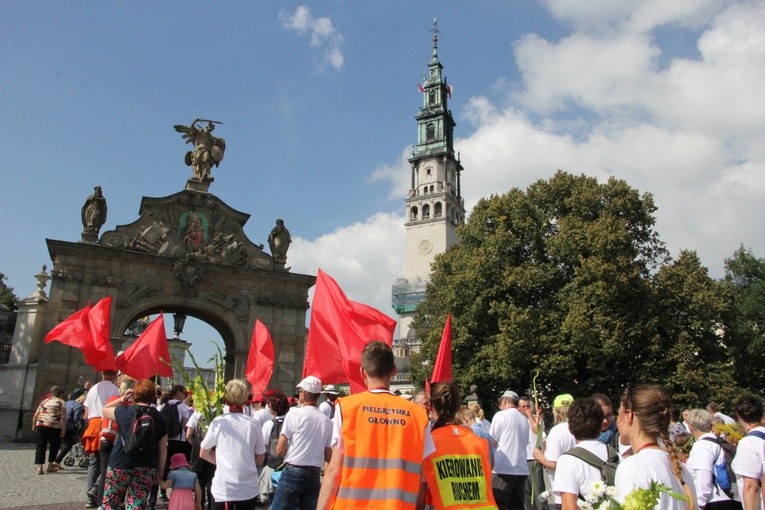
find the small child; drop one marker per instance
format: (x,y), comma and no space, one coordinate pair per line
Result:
(183,482)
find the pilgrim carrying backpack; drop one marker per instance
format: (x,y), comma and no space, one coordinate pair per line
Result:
(607,468)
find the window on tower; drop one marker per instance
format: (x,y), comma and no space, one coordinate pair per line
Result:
(425,212)
(413,214)
(437,210)
(430,132)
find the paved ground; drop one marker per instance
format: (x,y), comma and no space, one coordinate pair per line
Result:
(22,489)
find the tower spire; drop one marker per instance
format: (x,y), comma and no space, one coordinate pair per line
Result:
(435,38)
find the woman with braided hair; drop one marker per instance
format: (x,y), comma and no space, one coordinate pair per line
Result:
(643,423)
(458,473)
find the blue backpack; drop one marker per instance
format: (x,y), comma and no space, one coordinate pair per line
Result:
(724,475)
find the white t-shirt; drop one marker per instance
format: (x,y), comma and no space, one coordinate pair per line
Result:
(97,397)
(701,463)
(725,418)
(533,442)
(559,441)
(337,427)
(576,476)
(510,429)
(262,416)
(326,408)
(237,439)
(308,432)
(651,464)
(750,455)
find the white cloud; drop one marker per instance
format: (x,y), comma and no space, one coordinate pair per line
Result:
(596,103)
(364,258)
(324,36)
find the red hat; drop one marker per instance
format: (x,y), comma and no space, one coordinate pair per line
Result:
(178,460)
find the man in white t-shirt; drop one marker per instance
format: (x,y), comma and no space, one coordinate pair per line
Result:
(574,476)
(510,429)
(94,404)
(305,442)
(328,406)
(559,440)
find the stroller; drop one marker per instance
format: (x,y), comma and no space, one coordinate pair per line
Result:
(77,454)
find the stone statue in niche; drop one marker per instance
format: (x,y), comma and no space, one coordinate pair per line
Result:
(208,149)
(94,212)
(279,241)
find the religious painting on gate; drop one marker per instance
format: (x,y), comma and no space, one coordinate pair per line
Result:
(193,229)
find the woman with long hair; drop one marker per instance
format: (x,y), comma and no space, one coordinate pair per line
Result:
(643,423)
(458,473)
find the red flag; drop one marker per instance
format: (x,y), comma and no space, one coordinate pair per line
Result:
(442,370)
(88,330)
(338,332)
(149,354)
(260,360)
(449,91)
(99,322)
(420,87)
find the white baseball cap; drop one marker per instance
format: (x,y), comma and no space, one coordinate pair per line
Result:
(311,384)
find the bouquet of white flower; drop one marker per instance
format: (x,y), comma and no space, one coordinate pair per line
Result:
(603,497)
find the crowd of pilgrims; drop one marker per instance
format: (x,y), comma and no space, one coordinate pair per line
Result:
(264,447)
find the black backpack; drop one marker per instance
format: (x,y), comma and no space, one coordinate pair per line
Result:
(607,468)
(140,441)
(724,476)
(274,461)
(172,420)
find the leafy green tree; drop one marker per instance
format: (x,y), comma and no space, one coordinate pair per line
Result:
(556,278)
(693,360)
(745,327)
(7,296)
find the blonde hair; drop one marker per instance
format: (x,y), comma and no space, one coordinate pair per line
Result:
(477,411)
(236,392)
(560,414)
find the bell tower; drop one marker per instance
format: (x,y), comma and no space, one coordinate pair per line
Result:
(434,204)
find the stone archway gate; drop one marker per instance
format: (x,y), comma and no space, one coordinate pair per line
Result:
(186,253)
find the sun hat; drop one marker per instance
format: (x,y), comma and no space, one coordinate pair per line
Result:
(178,460)
(330,389)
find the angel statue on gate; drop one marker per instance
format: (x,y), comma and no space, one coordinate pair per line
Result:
(208,150)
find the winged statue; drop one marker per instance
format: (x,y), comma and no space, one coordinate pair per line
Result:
(208,149)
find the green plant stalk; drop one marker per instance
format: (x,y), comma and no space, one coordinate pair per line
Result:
(535,465)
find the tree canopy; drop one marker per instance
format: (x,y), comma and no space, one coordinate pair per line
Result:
(570,277)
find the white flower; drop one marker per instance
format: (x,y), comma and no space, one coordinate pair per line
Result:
(611,491)
(598,488)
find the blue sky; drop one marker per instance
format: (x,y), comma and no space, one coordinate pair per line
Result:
(318,102)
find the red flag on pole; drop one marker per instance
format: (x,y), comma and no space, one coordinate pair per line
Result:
(442,370)
(420,87)
(149,354)
(88,330)
(260,360)
(338,331)
(99,322)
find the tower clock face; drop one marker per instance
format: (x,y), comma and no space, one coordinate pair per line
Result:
(426,247)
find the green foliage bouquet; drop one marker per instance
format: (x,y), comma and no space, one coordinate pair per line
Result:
(208,401)
(603,497)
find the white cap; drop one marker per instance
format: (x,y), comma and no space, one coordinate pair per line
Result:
(330,389)
(311,384)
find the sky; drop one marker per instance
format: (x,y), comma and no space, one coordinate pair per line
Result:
(318,100)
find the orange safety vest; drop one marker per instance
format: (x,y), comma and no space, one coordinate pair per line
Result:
(458,473)
(383,442)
